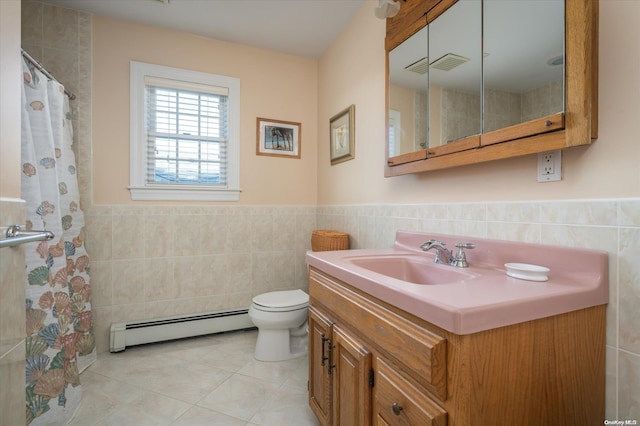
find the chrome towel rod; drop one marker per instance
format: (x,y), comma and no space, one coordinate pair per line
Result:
(15,236)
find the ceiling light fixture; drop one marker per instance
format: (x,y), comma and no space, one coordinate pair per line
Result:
(387,9)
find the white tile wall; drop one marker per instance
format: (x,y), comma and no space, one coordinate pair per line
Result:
(155,261)
(12,319)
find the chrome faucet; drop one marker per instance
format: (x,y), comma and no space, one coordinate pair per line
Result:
(446,256)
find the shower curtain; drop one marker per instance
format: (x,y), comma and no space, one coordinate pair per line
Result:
(60,339)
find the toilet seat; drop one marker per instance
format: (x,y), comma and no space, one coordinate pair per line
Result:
(281,301)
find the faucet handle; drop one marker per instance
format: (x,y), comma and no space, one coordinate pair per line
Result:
(465,246)
(460,259)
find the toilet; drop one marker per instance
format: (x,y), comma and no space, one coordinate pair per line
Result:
(281,318)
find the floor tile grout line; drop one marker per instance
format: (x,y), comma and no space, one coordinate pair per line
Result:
(287,382)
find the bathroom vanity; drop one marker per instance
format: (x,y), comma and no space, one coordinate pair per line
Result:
(473,347)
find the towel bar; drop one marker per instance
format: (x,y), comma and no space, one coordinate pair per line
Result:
(16,236)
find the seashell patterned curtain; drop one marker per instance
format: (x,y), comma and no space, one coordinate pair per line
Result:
(60,339)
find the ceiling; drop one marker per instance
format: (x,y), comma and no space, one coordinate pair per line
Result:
(299,27)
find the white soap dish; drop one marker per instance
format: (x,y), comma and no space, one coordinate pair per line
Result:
(524,271)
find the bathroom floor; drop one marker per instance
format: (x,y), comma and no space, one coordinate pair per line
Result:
(210,380)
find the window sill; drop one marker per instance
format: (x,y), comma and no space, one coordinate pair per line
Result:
(183,193)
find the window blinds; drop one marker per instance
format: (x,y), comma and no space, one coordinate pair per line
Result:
(187,132)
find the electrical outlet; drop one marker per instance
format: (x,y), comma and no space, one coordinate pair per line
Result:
(550,166)
(547,164)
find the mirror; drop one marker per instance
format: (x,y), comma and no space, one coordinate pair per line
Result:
(408,95)
(508,84)
(455,77)
(435,82)
(523,61)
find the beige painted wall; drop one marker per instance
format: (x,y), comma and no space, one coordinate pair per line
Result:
(273,85)
(352,71)
(9,98)
(12,312)
(609,168)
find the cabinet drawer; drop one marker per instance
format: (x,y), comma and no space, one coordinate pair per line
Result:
(398,402)
(422,353)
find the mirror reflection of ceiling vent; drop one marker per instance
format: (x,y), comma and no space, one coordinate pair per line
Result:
(444,63)
(448,62)
(420,66)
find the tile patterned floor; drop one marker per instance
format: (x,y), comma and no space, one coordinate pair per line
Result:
(211,380)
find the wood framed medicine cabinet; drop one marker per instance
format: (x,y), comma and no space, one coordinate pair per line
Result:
(575,125)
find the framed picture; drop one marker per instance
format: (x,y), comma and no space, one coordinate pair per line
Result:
(342,135)
(278,138)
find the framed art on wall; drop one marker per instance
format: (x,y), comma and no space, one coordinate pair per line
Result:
(278,138)
(342,135)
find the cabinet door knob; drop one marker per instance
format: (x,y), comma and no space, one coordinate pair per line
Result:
(397,408)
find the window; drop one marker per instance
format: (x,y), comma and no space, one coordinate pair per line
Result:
(184,134)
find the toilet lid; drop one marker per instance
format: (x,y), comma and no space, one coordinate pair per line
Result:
(282,299)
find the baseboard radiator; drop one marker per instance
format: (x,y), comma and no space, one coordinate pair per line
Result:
(180,327)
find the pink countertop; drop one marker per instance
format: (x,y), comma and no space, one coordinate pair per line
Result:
(485,297)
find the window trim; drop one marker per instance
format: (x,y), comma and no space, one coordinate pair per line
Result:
(140,190)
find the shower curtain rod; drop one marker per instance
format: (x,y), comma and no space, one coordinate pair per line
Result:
(44,71)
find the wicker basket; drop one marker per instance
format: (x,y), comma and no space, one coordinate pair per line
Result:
(325,240)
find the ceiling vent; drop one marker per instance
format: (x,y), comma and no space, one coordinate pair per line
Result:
(448,62)
(421,66)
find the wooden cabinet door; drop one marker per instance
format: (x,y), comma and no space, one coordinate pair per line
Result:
(352,381)
(320,329)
